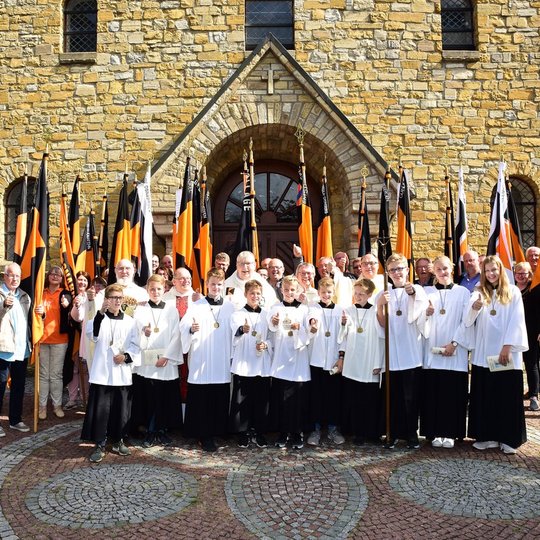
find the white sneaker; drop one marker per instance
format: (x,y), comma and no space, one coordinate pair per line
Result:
(335,436)
(448,443)
(484,445)
(314,438)
(508,449)
(437,442)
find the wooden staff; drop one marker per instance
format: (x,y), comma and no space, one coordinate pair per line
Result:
(35,354)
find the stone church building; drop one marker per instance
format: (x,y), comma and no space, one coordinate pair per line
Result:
(114,84)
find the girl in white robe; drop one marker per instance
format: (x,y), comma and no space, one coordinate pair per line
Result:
(496,317)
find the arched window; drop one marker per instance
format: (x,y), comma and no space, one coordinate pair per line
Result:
(80,26)
(457,25)
(525,202)
(13,206)
(265,17)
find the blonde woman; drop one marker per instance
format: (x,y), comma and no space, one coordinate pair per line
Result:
(497,319)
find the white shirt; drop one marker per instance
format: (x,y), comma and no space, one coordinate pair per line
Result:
(323,345)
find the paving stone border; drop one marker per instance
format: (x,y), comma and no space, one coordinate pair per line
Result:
(470,488)
(111,495)
(295,496)
(16,452)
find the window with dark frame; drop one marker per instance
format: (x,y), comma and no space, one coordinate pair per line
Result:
(80,26)
(12,203)
(457,25)
(525,203)
(265,17)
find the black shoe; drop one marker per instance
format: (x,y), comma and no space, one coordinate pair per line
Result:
(243,440)
(149,441)
(413,444)
(164,439)
(282,441)
(390,444)
(208,445)
(358,441)
(121,449)
(297,441)
(98,454)
(260,441)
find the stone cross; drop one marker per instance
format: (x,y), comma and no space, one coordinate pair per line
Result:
(270,76)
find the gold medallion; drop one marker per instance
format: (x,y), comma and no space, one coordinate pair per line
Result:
(399,312)
(156,330)
(493,312)
(216,325)
(442,311)
(359,329)
(327,333)
(254,333)
(290,333)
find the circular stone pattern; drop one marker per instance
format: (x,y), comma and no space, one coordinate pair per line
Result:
(109,495)
(291,498)
(470,488)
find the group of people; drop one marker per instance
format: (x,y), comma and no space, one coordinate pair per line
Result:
(302,355)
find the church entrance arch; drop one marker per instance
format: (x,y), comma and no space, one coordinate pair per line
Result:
(276,186)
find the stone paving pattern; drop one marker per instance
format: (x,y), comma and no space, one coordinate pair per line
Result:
(48,489)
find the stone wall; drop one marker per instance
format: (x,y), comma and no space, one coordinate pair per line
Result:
(381,62)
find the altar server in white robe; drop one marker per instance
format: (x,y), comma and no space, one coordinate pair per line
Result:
(445,386)
(326,392)
(290,366)
(407,304)
(361,354)
(161,353)
(117,352)
(496,317)
(251,361)
(206,336)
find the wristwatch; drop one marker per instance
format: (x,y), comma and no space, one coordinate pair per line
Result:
(454,343)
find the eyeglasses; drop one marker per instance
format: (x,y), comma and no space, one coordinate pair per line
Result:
(116,298)
(369,263)
(55,275)
(521,274)
(397,269)
(13,276)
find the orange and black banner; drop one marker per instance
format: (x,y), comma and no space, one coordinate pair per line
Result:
(244,236)
(184,235)
(205,236)
(21,229)
(460,234)
(364,235)
(135,232)
(324,230)
(74,222)
(103,240)
(67,259)
(404,223)
(384,247)
(450,244)
(87,259)
(303,207)
(515,231)
(194,263)
(33,263)
(122,233)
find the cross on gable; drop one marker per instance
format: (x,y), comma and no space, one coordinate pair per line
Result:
(270,76)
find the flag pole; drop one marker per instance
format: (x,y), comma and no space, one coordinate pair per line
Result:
(388,444)
(254,235)
(449,220)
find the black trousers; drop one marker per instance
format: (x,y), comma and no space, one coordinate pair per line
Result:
(17,370)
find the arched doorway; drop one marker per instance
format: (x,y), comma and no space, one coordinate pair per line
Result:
(275,208)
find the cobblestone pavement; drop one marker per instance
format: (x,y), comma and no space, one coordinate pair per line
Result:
(49,490)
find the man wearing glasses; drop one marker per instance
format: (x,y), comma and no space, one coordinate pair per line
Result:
(370,268)
(14,344)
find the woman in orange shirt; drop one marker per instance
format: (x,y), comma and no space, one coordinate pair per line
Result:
(54,343)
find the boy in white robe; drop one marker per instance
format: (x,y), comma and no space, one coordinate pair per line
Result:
(325,319)
(361,354)
(206,336)
(290,366)
(251,360)
(116,353)
(407,304)
(158,400)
